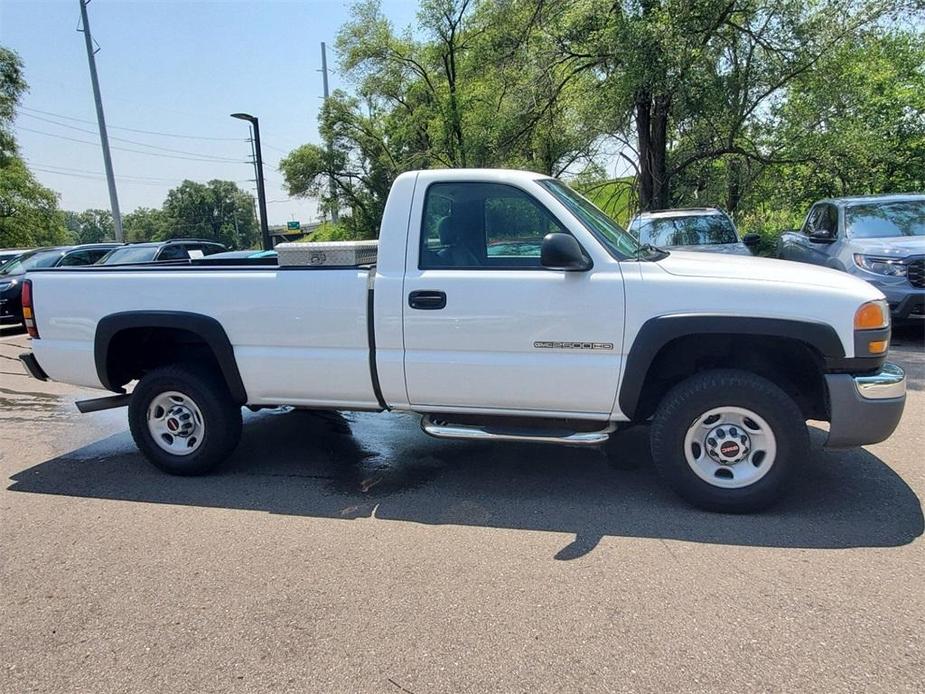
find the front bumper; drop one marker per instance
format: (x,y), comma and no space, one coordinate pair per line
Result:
(10,312)
(865,408)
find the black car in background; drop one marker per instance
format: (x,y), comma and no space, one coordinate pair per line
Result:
(161,251)
(12,273)
(8,254)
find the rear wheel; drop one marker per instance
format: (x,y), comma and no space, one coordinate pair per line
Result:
(184,420)
(728,440)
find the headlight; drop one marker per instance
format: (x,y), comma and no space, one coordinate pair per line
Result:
(881,266)
(7,284)
(873,315)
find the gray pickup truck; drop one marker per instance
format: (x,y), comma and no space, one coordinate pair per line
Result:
(880,239)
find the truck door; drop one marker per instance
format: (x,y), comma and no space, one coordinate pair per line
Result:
(486,327)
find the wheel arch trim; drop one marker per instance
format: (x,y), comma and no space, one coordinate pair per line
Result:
(658,332)
(205,327)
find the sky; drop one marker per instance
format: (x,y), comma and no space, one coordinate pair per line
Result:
(170,75)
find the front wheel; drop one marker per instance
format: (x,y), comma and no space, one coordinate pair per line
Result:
(728,440)
(183,419)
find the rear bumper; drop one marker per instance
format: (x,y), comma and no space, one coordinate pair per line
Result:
(865,408)
(32,366)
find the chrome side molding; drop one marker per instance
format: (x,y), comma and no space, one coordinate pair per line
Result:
(438,428)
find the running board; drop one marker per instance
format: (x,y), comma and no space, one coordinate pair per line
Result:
(100,404)
(441,429)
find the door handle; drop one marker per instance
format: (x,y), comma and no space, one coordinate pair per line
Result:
(427,300)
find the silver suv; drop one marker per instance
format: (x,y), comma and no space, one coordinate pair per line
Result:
(878,238)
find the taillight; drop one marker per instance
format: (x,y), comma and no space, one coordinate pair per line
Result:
(28,314)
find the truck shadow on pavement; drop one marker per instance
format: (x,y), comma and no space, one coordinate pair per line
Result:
(382,466)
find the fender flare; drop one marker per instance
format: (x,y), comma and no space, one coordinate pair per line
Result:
(657,332)
(205,327)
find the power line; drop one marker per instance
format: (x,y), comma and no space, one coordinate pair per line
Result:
(127,149)
(134,142)
(133,130)
(55,168)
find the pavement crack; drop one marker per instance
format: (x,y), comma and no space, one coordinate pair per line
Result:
(393,682)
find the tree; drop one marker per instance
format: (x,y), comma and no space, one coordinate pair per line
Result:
(29,213)
(144,224)
(90,226)
(217,211)
(690,83)
(460,92)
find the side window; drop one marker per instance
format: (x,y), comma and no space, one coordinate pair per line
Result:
(78,258)
(482,225)
(812,220)
(173,252)
(829,219)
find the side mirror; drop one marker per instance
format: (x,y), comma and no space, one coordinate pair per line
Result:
(562,252)
(821,236)
(751,239)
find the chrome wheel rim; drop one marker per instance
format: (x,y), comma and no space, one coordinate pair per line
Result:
(730,447)
(175,423)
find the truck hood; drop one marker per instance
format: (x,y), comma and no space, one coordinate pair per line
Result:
(892,247)
(755,269)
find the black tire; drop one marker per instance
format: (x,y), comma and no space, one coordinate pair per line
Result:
(697,395)
(220,415)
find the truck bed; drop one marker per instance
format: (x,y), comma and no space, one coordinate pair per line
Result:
(310,321)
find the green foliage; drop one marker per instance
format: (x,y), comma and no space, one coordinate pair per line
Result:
(12,87)
(90,226)
(758,107)
(217,211)
(615,197)
(29,213)
(144,224)
(339,232)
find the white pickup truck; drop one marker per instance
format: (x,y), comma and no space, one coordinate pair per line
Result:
(501,305)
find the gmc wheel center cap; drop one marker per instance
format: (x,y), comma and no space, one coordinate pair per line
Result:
(727,444)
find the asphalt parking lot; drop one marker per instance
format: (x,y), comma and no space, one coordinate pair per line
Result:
(352,553)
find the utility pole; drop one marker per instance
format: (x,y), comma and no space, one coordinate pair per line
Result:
(324,74)
(261,191)
(101,119)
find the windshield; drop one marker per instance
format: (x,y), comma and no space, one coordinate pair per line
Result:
(129,254)
(884,219)
(30,261)
(618,242)
(697,230)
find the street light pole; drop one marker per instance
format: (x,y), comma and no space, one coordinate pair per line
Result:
(261,191)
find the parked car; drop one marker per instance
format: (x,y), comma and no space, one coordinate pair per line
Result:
(879,239)
(692,229)
(161,251)
(12,273)
(563,345)
(8,254)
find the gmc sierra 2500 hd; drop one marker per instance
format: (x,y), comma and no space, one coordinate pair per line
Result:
(501,305)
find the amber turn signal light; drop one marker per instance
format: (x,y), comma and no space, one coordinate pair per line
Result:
(871,316)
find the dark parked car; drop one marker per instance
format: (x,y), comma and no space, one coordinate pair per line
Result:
(8,254)
(692,229)
(878,238)
(161,251)
(12,273)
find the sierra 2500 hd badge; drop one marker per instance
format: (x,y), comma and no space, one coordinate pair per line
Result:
(573,345)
